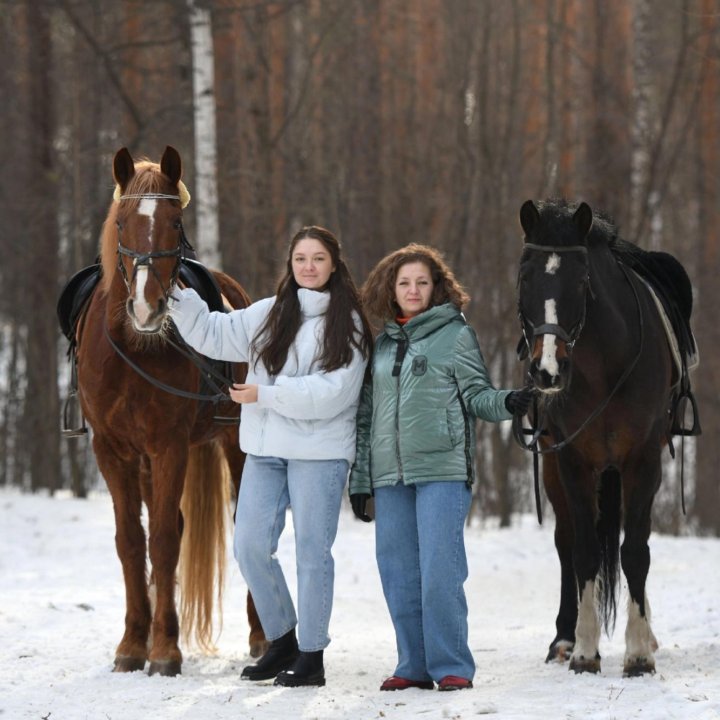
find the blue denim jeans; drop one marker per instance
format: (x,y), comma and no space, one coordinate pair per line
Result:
(420,551)
(313,489)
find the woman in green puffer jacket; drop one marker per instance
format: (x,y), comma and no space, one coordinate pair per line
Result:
(415,450)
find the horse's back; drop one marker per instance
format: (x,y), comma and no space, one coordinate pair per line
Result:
(232,290)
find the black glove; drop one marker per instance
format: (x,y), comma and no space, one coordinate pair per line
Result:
(518,402)
(359,503)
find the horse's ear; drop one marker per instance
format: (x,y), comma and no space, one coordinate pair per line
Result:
(529,216)
(583,218)
(123,167)
(171,164)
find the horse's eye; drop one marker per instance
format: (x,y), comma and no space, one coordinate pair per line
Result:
(119,225)
(177,224)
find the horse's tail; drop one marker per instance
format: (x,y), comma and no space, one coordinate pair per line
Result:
(201,569)
(608,532)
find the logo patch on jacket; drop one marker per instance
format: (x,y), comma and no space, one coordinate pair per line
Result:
(419,365)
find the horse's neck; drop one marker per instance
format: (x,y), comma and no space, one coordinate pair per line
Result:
(115,304)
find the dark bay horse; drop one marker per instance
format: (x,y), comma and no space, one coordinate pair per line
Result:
(600,359)
(153,446)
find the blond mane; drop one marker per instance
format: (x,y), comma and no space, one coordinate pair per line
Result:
(147,179)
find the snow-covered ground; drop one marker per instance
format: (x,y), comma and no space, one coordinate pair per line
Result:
(62,606)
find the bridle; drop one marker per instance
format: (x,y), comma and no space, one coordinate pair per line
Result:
(146,259)
(530,331)
(216,381)
(537,426)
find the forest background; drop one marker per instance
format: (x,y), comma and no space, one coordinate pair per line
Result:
(388,121)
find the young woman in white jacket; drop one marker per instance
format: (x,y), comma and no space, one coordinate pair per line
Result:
(306,349)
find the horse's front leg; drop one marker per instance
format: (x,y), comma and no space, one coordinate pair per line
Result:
(640,487)
(580,488)
(168,474)
(121,477)
(562,645)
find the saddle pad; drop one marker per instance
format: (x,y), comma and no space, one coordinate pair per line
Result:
(693,360)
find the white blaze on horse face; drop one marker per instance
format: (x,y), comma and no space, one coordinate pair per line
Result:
(548,360)
(587,631)
(553,263)
(147,208)
(141,310)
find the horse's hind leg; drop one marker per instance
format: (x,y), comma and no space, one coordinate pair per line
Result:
(639,489)
(122,481)
(562,645)
(236,461)
(580,489)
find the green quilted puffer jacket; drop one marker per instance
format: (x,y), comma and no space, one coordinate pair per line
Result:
(416,419)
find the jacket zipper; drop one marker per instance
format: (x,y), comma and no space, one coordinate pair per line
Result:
(397,367)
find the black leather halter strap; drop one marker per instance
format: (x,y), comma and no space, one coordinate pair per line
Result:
(530,331)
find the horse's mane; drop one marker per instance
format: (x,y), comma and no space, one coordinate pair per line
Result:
(147,179)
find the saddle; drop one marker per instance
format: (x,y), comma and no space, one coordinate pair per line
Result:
(80,287)
(672,292)
(73,301)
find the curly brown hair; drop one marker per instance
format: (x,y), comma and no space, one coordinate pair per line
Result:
(378,291)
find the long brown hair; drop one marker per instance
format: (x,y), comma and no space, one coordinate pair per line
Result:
(378,292)
(273,340)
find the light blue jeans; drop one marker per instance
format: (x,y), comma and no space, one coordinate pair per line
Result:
(420,551)
(313,489)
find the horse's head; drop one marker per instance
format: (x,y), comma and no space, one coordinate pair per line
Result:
(552,286)
(143,239)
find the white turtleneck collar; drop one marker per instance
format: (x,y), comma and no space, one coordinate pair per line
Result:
(312,302)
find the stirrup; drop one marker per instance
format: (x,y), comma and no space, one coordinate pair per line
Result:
(681,405)
(71,409)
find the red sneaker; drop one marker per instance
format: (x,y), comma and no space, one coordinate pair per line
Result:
(397,683)
(453,682)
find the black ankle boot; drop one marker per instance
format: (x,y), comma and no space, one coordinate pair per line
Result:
(281,654)
(306,670)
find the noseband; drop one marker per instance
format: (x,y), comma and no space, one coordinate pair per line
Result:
(530,331)
(146,259)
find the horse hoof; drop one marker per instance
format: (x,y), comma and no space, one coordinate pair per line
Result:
(560,651)
(125,663)
(259,648)
(639,667)
(166,668)
(581,664)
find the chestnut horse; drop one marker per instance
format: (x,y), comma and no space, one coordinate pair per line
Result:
(601,362)
(153,446)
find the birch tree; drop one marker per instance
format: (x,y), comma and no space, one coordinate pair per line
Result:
(205,190)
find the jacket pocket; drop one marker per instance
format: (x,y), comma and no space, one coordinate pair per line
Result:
(428,431)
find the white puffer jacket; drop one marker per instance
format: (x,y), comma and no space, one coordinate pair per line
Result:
(304,413)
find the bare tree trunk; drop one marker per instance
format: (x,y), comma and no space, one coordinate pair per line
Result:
(42,411)
(205,194)
(707,379)
(641,118)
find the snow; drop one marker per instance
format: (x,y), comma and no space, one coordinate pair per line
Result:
(62,607)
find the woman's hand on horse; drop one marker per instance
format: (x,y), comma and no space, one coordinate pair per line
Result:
(358,502)
(518,402)
(244,393)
